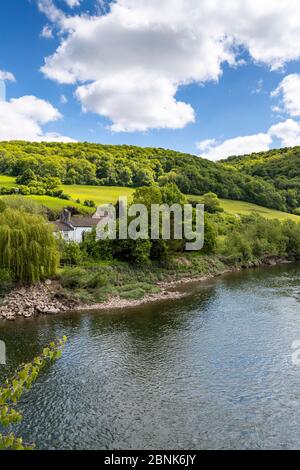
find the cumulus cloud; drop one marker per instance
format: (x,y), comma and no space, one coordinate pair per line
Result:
(136,105)
(73,3)
(7,76)
(117,60)
(288,132)
(236,146)
(50,10)
(289,93)
(207,144)
(47,32)
(22,119)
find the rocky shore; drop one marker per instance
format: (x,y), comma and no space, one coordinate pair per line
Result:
(116,303)
(41,299)
(47,298)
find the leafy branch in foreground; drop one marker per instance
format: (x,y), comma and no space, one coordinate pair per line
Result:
(13,389)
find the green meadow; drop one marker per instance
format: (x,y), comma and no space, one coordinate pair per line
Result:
(99,194)
(245,208)
(106,194)
(7,181)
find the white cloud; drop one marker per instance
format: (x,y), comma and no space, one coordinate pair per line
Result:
(22,118)
(236,146)
(206,144)
(288,132)
(7,76)
(50,10)
(119,59)
(289,93)
(136,105)
(73,3)
(47,32)
(276,109)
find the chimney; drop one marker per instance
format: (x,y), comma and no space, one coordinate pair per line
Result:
(65,216)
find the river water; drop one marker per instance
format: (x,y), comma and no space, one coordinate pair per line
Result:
(210,371)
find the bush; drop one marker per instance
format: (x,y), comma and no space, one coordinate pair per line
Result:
(96,281)
(89,203)
(73,278)
(71,254)
(211,203)
(132,251)
(80,278)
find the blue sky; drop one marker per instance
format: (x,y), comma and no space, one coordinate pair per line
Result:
(148,77)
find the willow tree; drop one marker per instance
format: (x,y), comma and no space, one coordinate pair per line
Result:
(27,246)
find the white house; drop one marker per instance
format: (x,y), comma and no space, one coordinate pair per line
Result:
(74,228)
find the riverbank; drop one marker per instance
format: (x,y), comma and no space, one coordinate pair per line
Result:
(51,298)
(126,378)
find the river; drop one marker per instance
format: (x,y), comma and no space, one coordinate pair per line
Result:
(213,370)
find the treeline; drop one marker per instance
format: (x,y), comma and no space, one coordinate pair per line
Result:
(108,165)
(251,240)
(280,167)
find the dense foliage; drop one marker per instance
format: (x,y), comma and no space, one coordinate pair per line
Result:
(251,240)
(27,246)
(93,164)
(280,167)
(139,251)
(13,389)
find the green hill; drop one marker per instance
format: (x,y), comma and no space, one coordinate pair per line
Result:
(246,208)
(128,166)
(105,194)
(280,167)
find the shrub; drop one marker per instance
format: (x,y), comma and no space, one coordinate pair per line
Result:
(73,278)
(89,203)
(71,254)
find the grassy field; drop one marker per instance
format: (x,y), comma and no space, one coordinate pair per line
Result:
(246,208)
(99,194)
(7,181)
(57,205)
(105,194)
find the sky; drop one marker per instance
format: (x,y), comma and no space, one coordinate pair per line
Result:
(208,77)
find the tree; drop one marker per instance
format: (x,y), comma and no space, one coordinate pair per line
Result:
(210,236)
(27,246)
(211,203)
(171,194)
(132,251)
(148,196)
(27,178)
(13,389)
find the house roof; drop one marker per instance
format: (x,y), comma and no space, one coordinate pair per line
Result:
(68,224)
(60,226)
(83,222)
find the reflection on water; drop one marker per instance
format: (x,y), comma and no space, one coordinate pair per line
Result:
(210,371)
